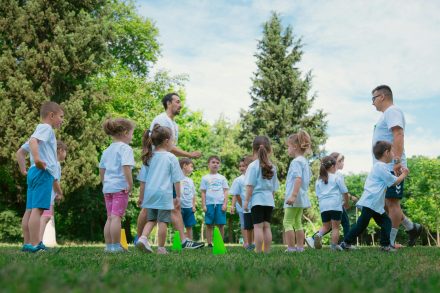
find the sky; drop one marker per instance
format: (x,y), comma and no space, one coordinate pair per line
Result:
(349,46)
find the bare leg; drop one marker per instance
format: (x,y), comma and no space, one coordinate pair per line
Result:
(209,234)
(162,235)
(107,235)
(300,238)
(267,236)
(43,223)
(259,236)
(141,221)
(25,227)
(394,211)
(335,232)
(115,229)
(177,221)
(245,238)
(148,228)
(222,230)
(34,226)
(189,233)
(290,238)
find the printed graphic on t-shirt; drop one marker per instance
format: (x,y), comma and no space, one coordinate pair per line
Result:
(215,184)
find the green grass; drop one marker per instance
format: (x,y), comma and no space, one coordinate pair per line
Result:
(88,268)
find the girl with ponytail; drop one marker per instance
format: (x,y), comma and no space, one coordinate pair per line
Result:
(261,183)
(297,184)
(329,190)
(160,172)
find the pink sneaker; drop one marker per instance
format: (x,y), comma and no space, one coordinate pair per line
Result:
(162,250)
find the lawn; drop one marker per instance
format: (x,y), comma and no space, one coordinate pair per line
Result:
(89,269)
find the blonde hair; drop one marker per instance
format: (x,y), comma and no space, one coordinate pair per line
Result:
(117,126)
(302,140)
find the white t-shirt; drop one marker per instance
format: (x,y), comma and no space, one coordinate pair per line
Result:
(187,192)
(239,188)
(52,199)
(214,185)
(375,188)
(329,195)
(262,194)
(299,167)
(117,155)
(47,148)
(164,120)
(391,117)
(159,176)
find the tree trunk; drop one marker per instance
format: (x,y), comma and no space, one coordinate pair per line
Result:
(438,234)
(230,230)
(202,232)
(372,238)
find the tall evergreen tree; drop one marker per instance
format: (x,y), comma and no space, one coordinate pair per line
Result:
(281,101)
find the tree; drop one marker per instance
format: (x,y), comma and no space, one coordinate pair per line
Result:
(280,95)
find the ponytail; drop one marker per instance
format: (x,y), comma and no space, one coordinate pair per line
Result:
(156,137)
(326,163)
(147,147)
(261,146)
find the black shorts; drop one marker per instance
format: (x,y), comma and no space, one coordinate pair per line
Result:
(327,216)
(395,191)
(248,224)
(261,214)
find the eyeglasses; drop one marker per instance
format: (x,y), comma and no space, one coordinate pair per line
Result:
(374,97)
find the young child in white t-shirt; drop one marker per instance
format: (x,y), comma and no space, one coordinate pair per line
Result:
(188,199)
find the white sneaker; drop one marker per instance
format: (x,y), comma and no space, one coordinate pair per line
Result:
(162,250)
(310,242)
(144,247)
(336,247)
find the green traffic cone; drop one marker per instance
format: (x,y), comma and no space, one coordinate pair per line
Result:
(219,245)
(177,243)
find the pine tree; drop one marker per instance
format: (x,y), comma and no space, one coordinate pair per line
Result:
(281,102)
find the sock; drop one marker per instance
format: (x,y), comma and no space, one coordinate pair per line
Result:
(143,240)
(393,235)
(184,240)
(108,246)
(319,233)
(407,224)
(333,245)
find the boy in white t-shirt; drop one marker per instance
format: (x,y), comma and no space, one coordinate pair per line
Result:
(188,199)
(372,200)
(214,189)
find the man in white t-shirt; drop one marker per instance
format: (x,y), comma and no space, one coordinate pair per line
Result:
(172,104)
(391,128)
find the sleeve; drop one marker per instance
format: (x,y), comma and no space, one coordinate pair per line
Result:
(234,187)
(193,187)
(297,169)
(386,176)
(176,172)
(317,189)
(341,184)
(251,175)
(142,176)
(203,184)
(393,118)
(127,158)
(275,181)
(43,132)
(225,183)
(25,146)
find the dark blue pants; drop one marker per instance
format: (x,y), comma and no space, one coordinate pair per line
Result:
(382,220)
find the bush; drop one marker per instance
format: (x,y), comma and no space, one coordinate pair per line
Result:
(10,227)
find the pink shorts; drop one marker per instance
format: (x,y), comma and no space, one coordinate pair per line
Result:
(49,212)
(116,203)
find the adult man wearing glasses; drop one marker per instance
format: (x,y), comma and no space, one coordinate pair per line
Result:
(391,128)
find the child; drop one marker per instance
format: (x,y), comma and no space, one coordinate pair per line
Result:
(297,184)
(161,170)
(187,191)
(214,188)
(372,200)
(345,221)
(238,191)
(42,175)
(47,214)
(261,184)
(329,188)
(115,173)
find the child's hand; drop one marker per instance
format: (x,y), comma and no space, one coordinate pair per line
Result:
(194,209)
(245,205)
(177,203)
(40,164)
(224,207)
(139,202)
(354,198)
(204,208)
(291,200)
(23,172)
(405,171)
(232,210)
(346,205)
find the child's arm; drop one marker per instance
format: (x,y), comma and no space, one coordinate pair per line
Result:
(249,191)
(128,177)
(402,176)
(141,194)
(177,199)
(203,193)
(225,201)
(346,200)
(57,189)
(33,146)
(234,200)
(21,159)
(295,191)
(101,174)
(194,204)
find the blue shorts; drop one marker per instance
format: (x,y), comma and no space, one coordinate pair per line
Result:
(39,189)
(188,217)
(214,215)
